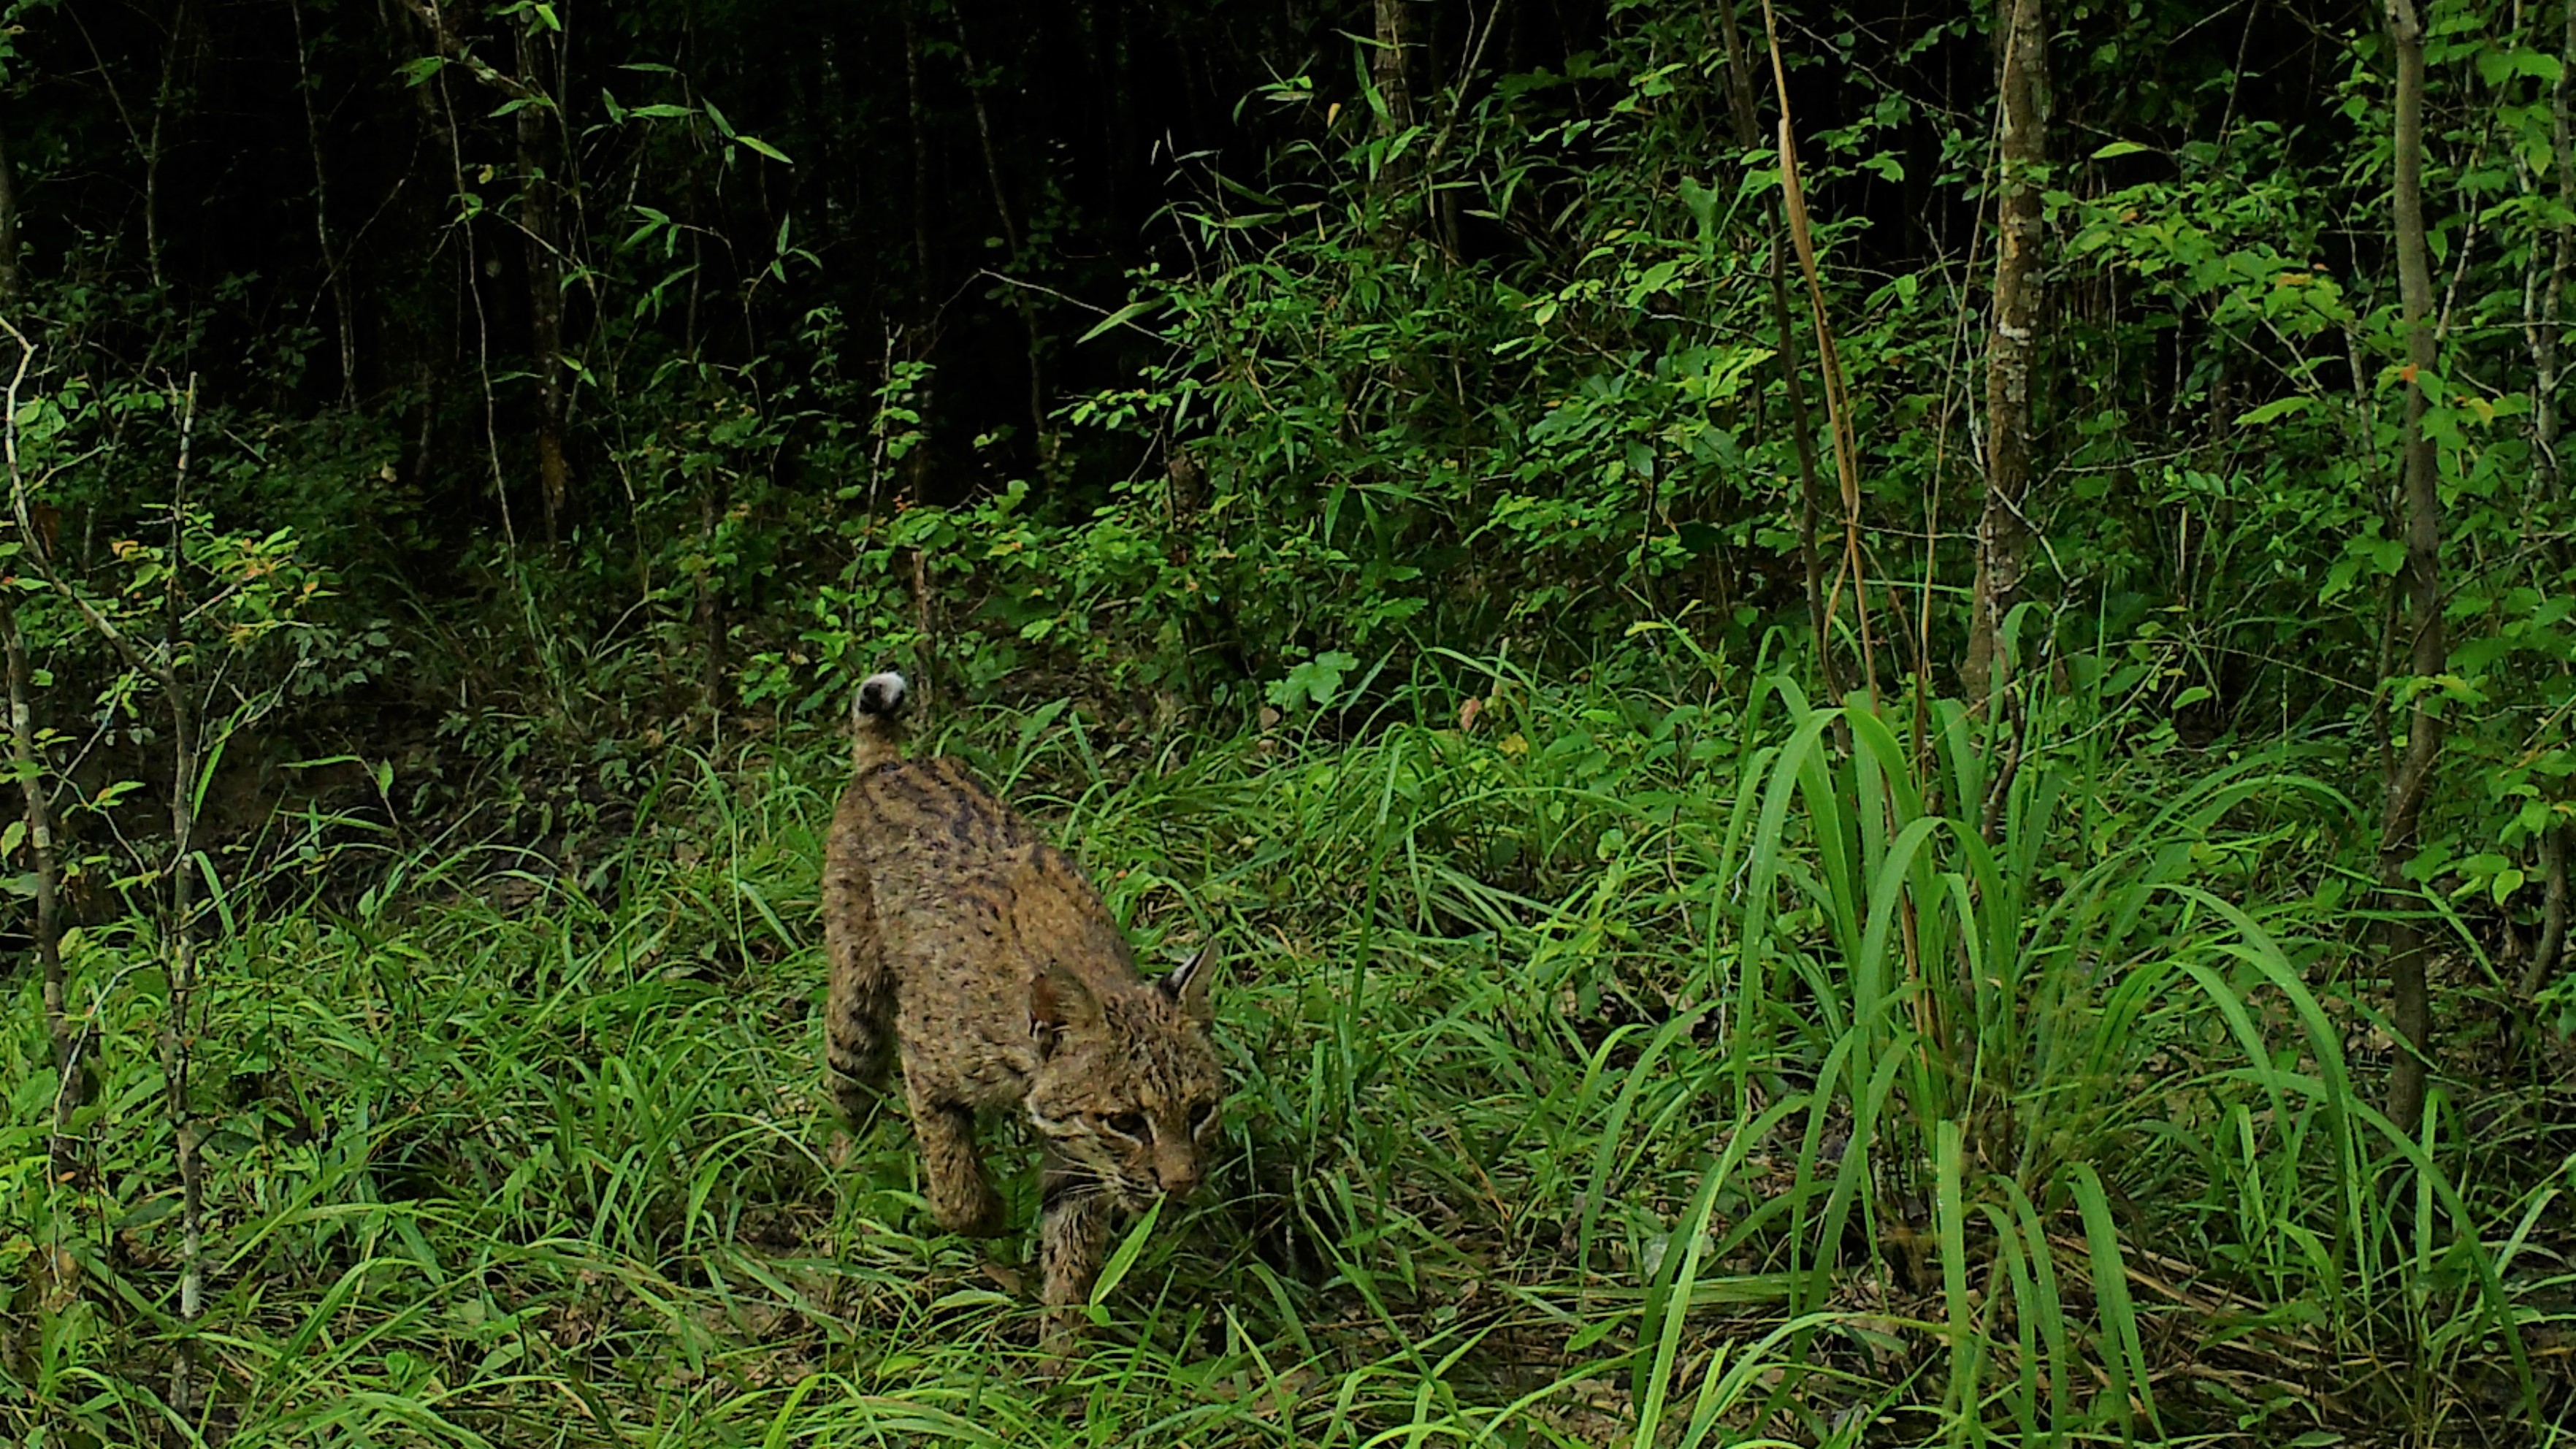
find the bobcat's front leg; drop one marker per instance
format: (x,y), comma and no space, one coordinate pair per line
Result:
(1073,1229)
(960,1196)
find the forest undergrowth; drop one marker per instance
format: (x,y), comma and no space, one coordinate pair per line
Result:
(1685,1066)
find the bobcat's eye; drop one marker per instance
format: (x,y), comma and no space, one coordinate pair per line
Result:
(1202,1117)
(1130,1125)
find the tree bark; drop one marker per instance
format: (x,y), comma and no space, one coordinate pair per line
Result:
(334,264)
(2552,945)
(40,855)
(8,234)
(164,100)
(1391,75)
(1390,68)
(539,220)
(1748,134)
(178,1042)
(2548,477)
(711,619)
(920,164)
(1041,438)
(2404,946)
(2003,527)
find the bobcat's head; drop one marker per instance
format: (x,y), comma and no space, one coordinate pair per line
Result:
(1127,1085)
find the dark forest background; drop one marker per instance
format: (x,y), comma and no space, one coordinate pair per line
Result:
(463,453)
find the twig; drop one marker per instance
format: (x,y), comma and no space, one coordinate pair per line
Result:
(1748,134)
(1837,403)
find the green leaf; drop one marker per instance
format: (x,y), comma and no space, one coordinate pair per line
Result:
(1120,318)
(2120,148)
(763,147)
(1122,1260)
(2277,408)
(1318,680)
(151,1212)
(1702,202)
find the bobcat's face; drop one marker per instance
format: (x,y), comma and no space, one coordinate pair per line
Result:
(1128,1089)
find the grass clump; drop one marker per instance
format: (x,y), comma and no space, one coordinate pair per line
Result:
(1679,1067)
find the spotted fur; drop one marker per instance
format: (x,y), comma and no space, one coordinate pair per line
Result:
(980,956)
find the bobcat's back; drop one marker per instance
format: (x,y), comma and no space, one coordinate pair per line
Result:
(965,907)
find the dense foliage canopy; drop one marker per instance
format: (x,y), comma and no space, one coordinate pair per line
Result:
(1882,702)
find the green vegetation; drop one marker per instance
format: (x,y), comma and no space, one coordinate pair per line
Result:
(1617,1002)
(1910,786)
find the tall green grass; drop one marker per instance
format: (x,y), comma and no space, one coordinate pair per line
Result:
(1676,1065)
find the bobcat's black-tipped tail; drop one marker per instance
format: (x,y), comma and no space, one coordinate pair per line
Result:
(876,718)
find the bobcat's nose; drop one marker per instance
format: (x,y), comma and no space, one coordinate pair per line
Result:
(1177,1176)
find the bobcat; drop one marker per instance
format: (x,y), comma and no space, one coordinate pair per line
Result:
(985,958)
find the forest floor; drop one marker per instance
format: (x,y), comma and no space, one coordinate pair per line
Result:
(1563,1047)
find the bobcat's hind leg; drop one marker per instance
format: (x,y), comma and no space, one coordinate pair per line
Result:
(858,1020)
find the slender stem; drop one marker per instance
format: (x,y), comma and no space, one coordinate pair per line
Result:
(539,220)
(2404,946)
(1748,134)
(1038,433)
(335,269)
(2547,952)
(1837,402)
(178,1046)
(40,852)
(920,161)
(8,232)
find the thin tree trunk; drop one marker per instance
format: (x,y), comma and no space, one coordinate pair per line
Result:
(1040,438)
(2551,948)
(2003,527)
(2404,946)
(984,137)
(161,103)
(2548,477)
(1389,66)
(920,163)
(178,1045)
(469,262)
(1391,73)
(537,217)
(335,268)
(8,234)
(40,855)
(1748,134)
(711,622)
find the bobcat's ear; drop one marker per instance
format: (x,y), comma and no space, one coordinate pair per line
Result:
(1059,1001)
(1189,982)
